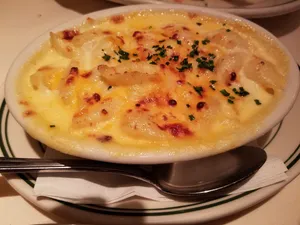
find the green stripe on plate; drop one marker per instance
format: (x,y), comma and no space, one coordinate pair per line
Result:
(6,136)
(5,154)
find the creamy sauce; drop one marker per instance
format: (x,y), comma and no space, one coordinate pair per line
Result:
(153,79)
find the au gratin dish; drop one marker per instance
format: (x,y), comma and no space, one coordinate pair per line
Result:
(151,82)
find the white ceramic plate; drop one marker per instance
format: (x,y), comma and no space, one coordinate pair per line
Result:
(282,141)
(261,9)
(93,151)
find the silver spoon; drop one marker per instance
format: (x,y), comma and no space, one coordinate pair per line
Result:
(202,178)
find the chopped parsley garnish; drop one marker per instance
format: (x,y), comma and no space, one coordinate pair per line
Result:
(230,101)
(106,57)
(257,102)
(205,41)
(153,63)
(162,53)
(196,43)
(212,87)
(134,54)
(224,92)
(109,87)
(149,57)
(241,92)
(198,89)
(231,97)
(161,41)
(191,117)
(188,105)
(174,58)
(211,55)
(161,50)
(228,30)
(123,55)
(169,47)
(195,49)
(212,81)
(184,65)
(193,53)
(52,126)
(199,24)
(203,63)
(179,42)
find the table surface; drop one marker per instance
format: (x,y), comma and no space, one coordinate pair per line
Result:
(22,21)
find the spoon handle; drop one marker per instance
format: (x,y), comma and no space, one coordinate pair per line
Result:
(22,165)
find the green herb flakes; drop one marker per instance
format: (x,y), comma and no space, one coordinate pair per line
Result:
(106,57)
(122,55)
(149,57)
(211,55)
(230,101)
(185,65)
(161,50)
(205,41)
(206,64)
(174,58)
(191,117)
(224,92)
(198,89)
(194,51)
(257,102)
(212,87)
(241,92)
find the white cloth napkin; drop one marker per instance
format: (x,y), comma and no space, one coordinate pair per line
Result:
(104,188)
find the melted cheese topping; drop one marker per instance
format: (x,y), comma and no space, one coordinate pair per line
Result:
(151,79)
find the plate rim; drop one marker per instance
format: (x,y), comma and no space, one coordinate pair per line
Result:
(50,206)
(262,12)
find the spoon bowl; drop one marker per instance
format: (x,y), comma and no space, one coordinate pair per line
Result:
(210,176)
